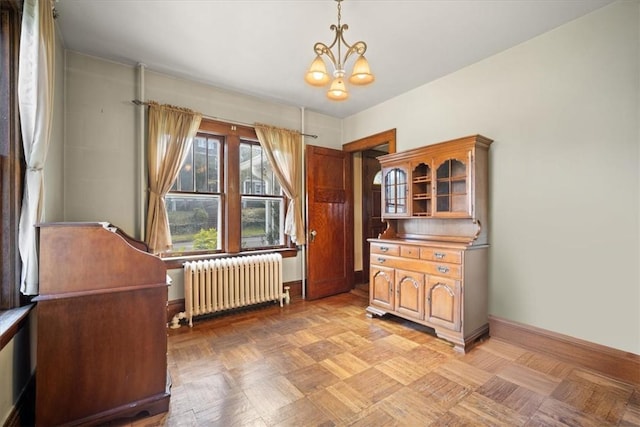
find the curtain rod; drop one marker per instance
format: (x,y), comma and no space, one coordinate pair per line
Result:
(138,102)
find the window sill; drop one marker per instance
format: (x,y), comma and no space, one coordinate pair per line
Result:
(11,321)
(177,261)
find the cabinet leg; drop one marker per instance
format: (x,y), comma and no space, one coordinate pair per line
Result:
(374,311)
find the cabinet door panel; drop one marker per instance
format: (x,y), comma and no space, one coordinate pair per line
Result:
(395,192)
(454,180)
(410,293)
(443,302)
(381,287)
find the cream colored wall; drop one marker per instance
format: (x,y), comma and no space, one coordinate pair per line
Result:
(100,144)
(17,364)
(7,398)
(102,163)
(563,109)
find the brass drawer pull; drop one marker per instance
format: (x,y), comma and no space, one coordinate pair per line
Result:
(443,269)
(383,249)
(439,255)
(381,260)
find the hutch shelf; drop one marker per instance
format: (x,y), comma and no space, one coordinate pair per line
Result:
(430,264)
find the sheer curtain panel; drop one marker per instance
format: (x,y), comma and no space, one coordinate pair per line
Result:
(171,132)
(283,149)
(35,103)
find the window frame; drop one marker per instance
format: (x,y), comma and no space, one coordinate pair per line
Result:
(12,163)
(230,196)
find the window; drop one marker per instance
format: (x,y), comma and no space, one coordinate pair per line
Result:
(194,202)
(226,197)
(262,199)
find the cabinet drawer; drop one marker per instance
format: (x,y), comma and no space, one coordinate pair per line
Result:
(410,251)
(379,259)
(442,255)
(443,269)
(385,248)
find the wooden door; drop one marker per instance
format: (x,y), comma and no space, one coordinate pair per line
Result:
(329,222)
(372,225)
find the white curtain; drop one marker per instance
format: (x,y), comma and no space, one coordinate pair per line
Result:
(35,103)
(283,149)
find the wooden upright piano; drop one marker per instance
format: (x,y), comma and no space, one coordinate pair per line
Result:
(101,326)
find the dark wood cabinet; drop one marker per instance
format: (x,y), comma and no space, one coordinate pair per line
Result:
(101,331)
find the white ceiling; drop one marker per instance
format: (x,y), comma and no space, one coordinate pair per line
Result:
(263,47)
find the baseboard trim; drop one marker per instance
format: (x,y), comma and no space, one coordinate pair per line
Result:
(295,288)
(615,363)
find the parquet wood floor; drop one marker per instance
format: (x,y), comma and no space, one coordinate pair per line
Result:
(324,363)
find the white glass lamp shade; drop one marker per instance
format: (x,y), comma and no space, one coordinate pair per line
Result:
(338,90)
(361,74)
(317,74)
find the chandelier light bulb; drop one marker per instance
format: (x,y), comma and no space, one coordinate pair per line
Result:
(361,74)
(338,90)
(317,74)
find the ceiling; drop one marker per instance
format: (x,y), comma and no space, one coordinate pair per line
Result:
(263,47)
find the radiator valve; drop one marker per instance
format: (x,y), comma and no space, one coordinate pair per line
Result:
(175,321)
(287,297)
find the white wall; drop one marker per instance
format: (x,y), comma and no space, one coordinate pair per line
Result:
(563,109)
(102,164)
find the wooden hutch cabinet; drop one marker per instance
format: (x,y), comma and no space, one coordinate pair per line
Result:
(102,338)
(430,264)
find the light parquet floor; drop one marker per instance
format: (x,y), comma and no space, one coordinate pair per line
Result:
(324,363)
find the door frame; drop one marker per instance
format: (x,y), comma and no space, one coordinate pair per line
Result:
(368,194)
(367,143)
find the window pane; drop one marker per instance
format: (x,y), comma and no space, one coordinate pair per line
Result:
(194,222)
(272,184)
(249,182)
(185,178)
(214,161)
(262,222)
(256,175)
(200,163)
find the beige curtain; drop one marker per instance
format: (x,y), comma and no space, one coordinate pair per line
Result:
(35,103)
(171,132)
(283,149)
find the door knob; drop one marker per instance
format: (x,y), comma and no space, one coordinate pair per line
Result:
(312,235)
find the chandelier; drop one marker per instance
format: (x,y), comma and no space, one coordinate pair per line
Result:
(317,74)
